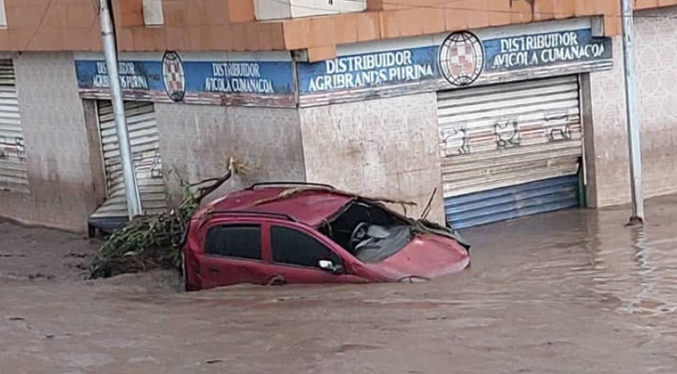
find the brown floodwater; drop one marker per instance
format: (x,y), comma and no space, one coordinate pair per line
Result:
(568,292)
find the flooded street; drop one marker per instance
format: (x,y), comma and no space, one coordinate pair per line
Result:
(568,292)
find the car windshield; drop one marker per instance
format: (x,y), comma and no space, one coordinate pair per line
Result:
(368,231)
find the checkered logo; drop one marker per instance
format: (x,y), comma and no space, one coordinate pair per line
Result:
(174,77)
(461,58)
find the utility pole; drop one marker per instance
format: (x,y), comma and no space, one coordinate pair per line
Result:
(110,51)
(633,120)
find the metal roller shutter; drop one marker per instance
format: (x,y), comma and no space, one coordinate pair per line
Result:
(510,150)
(144,139)
(13,172)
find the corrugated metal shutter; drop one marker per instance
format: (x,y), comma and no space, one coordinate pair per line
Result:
(510,150)
(13,172)
(145,145)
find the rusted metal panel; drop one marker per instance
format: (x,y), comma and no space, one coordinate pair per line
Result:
(13,170)
(502,136)
(145,144)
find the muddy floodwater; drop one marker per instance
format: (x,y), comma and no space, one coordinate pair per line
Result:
(568,292)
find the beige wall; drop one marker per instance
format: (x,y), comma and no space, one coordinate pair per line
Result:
(384,148)
(62,165)
(606,145)
(197,140)
(657,74)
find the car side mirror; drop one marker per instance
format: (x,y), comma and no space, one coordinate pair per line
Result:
(330,267)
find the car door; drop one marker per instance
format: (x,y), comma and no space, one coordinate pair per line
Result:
(232,255)
(296,254)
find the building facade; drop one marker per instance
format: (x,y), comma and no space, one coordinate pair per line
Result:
(497,111)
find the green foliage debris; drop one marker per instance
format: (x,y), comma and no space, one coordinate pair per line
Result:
(154,242)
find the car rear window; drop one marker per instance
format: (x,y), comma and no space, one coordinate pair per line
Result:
(241,241)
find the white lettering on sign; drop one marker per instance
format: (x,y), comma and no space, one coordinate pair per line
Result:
(124,68)
(236,69)
(524,51)
(101,68)
(369,70)
(238,77)
(524,43)
(129,79)
(242,85)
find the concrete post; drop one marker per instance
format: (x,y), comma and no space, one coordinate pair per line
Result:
(633,120)
(110,51)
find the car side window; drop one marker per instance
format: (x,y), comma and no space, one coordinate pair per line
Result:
(241,241)
(293,247)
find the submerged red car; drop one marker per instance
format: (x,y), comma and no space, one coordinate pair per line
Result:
(277,233)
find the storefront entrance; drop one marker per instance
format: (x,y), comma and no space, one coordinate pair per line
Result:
(145,144)
(510,150)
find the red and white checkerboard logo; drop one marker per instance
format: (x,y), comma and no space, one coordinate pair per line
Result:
(461,58)
(174,77)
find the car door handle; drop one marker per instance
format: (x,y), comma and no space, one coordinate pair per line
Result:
(214,270)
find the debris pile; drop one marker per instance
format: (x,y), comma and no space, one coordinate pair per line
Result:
(152,242)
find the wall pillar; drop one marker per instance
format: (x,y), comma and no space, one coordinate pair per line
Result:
(382,148)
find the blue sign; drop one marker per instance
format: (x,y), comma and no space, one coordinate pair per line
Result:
(397,68)
(212,82)
(461,59)
(523,52)
(368,70)
(134,75)
(263,78)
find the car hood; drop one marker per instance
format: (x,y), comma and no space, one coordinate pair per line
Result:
(426,256)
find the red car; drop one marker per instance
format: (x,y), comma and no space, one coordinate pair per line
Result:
(301,233)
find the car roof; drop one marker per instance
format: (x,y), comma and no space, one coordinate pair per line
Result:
(308,205)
